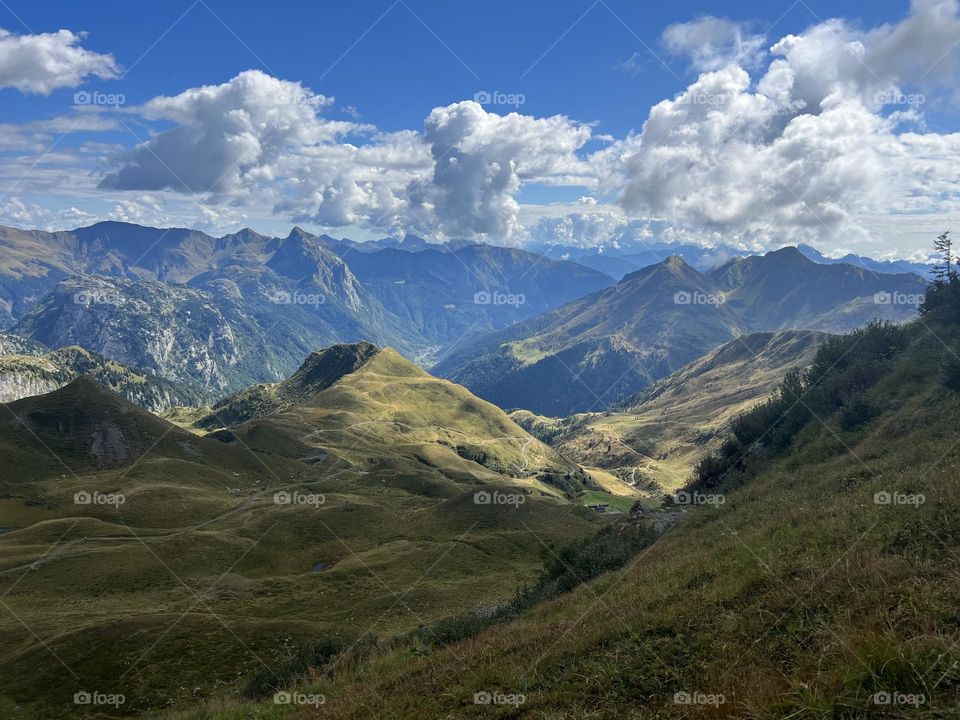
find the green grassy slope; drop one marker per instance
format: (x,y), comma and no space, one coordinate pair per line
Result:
(825,584)
(390,416)
(203,560)
(654,441)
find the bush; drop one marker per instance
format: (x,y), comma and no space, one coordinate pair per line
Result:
(296,665)
(951,370)
(857,413)
(843,369)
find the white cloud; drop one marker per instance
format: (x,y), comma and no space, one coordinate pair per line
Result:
(481,159)
(40,64)
(263,138)
(823,141)
(808,148)
(711,43)
(228,138)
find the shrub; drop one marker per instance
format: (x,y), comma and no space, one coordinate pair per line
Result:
(857,413)
(294,666)
(951,370)
(843,369)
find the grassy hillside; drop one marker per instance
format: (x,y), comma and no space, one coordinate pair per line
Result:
(390,416)
(318,372)
(819,581)
(653,442)
(142,559)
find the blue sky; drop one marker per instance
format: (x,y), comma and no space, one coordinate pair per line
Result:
(601,66)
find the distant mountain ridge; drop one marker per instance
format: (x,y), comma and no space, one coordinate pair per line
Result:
(885,266)
(628,257)
(452,291)
(600,349)
(273,299)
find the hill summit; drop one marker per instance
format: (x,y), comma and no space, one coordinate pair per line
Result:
(319,371)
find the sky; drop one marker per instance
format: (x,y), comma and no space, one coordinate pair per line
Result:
(588,122)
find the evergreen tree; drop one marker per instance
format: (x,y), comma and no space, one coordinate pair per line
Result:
(944,271)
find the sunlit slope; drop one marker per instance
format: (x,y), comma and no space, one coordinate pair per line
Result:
(824,585)
(389,415)
(170,566)
(654,442)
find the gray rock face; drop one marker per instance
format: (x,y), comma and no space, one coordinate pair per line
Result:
(25,375)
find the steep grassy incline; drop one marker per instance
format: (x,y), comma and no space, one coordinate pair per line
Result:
(818,578)
(388,415)
(653,442)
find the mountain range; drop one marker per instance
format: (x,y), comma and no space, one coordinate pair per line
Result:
(215,315)
(219,314)
(597,351)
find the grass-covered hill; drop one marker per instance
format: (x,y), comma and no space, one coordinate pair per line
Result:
(815,575)
(374,410)
(318,372)
(654,440)
(168,565)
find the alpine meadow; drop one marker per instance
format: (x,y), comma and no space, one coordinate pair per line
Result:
(422,360)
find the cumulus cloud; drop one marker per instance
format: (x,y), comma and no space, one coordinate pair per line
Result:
(226,137)
(588,229)
(258,133)
(809,146)
(819,135)
(40,64)
(711,43)
(481,158)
